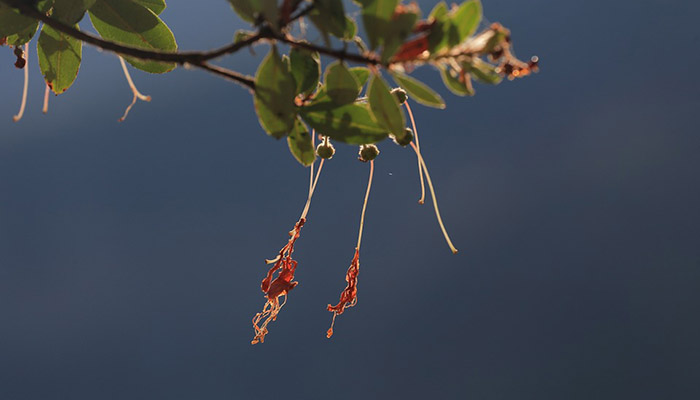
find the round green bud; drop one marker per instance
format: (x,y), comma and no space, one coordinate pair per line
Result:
(325,150)
(400,95)
(368,152)
(406,139)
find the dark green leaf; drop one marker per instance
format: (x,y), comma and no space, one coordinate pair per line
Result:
(361,74)
(157,6)
(329,17)
(17,28)
(70,11)
(350,29)
(300,144)
(340,84)
(251,10)
(350,123)
(275,90)
(11,22)
(384,107)
(135,25)
(467,18)
(452,82)
(400,27)
(376,18)
(419,91)
(437,38)
(23,36)
(59,58)
(306,69)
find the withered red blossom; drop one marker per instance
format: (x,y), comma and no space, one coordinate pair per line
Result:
(348,297)
(280,286)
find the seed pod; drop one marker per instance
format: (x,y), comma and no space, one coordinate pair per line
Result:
(406,139)
(400,95)
(368,152)
(325,150)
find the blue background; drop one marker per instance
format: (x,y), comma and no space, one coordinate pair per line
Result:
(131,253)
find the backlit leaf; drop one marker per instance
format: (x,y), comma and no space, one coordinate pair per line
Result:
(340,84)
(329,17)
(300,144)
(275,90)
(59,58)
(135,25)
(456,86)
(350,123)
(306,69)
(385,108)
(376,18)
(419,91)
(466,19)
(361,74)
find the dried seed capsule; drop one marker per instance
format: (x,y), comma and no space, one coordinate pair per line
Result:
(400,95)
(368,152)
(406,139)
(325,150)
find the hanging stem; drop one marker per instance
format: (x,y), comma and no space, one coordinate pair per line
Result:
(312,181)
(134,90)
(364,206)
(26,86)
(45,108)
(435,204)
(348,297)
(420,167)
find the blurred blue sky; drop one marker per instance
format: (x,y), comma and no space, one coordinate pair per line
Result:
(131,253)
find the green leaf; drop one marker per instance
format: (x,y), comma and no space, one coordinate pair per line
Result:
(466,19)
(350,123)
(437,38)
(376,18)
(250,10)
(300,144)
(70,11)
(157,6)
(275,90)
(306,69)
(350,29)
(340,84)
(17,28)
(361,74)
(12,22)
(385,108)
(329,17)
(419,90)
(23,36)
(453,83)
(400,28)
(135,25)
(483,71)
(59,58)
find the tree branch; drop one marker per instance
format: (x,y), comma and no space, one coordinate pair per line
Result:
(190,57)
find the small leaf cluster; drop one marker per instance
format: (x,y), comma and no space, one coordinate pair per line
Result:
(292,95)
(130,22)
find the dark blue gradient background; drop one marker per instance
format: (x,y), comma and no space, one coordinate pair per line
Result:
(131,254)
